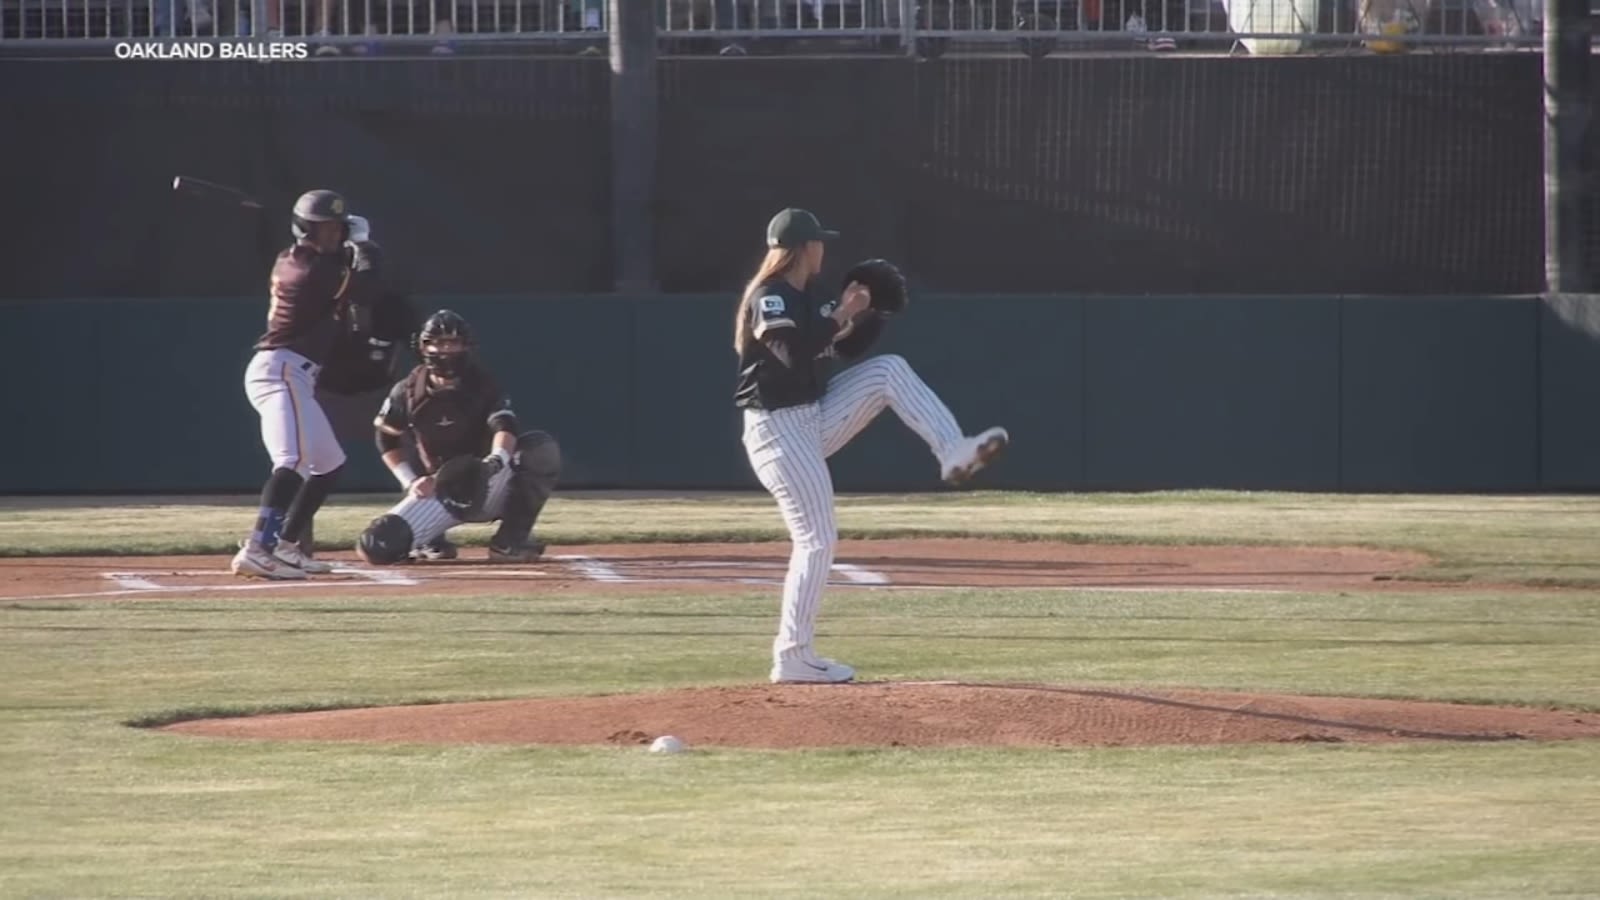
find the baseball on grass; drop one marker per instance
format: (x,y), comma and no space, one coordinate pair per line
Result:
(666,744)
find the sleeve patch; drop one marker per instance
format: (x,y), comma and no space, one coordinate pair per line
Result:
(772,311)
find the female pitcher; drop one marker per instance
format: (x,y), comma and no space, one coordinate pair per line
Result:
(795,418)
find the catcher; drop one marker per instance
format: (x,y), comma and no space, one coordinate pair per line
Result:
(476,467)
(795,417)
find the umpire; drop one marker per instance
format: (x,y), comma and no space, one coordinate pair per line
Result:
(365,361)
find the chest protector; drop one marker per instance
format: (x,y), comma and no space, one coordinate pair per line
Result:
(447,422)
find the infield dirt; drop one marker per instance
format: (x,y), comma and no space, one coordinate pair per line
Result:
(932,563)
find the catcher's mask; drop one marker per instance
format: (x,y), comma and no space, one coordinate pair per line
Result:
(319,206)
(445,344)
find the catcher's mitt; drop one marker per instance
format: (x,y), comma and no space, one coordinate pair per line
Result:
(889,293)
(462,484)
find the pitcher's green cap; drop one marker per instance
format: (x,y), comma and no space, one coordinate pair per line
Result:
(792,228)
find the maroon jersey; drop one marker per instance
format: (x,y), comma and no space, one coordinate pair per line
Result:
(308,290)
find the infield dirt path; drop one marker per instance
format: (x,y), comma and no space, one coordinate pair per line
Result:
(645,567)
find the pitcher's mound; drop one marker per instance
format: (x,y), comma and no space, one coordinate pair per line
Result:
(916,714)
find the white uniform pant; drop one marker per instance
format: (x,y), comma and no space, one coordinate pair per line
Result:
(429,519)
(789,449)
(282,386)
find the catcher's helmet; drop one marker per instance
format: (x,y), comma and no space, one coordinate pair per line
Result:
(318,206)
(387,540)
(445,324)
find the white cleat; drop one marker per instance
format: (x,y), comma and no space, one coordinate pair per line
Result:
(289,552)
(811,671)
(254,562)
(973,453)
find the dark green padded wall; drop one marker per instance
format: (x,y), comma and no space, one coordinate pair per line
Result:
(1220,392)
(1440,394)
(1099,393)
(1569,381)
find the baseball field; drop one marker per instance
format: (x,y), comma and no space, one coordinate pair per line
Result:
(1169,694)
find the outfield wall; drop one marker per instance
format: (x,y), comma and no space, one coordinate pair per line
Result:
(1100,393)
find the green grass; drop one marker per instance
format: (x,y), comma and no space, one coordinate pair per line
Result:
(91,807)
(1546,540)
(95,808)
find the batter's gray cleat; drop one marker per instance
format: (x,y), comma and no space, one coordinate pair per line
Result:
(290,552)
(253,561)
(811,671)
(437,549)
(972,454)
(522,553)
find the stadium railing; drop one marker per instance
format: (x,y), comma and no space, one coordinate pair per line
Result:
(732,27)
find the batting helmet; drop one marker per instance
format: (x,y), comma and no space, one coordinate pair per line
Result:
(318,206)
(387,540)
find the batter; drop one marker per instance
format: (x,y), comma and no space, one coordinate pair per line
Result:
(308,310)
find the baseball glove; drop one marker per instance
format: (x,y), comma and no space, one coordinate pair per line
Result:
(889,293)
(462,484)
(869,327)
(889,297)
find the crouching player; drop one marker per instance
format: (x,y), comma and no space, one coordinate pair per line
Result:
(453,408)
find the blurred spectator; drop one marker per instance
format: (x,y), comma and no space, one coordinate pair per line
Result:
(883,13)
(708,16)
(176,18)
(325,27)
(590,14)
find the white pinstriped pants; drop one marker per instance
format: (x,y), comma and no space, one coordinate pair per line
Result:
(429,519)
(789,450)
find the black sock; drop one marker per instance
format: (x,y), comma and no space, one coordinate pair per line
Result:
(276,496)
(310,498)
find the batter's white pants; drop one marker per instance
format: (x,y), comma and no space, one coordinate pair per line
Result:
(282,386)
(789,450)
(429,519)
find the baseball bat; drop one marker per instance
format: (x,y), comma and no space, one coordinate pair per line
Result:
(199,187)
